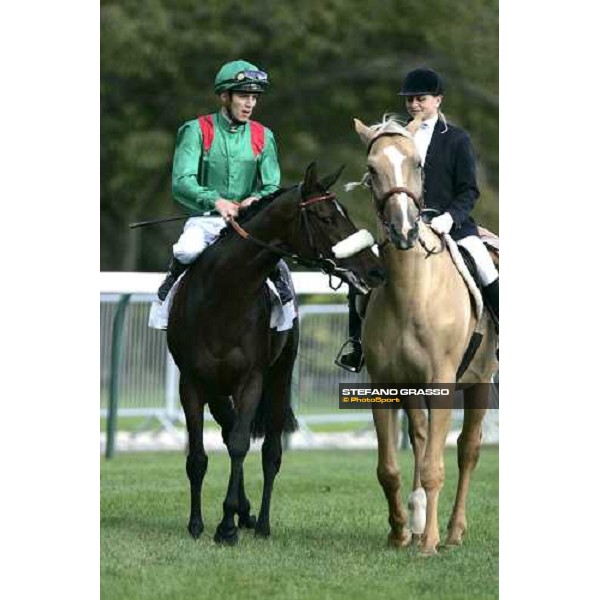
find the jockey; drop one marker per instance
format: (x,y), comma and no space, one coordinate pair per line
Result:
(450,186)
(222,162)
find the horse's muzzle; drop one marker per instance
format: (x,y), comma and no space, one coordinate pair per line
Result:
(402,242)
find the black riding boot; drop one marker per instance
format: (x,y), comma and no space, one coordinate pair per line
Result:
(353,359)
(175,270)
(279,278)
(491,293)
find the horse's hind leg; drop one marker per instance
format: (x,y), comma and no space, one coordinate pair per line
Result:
(224,414)
(197,461)
(469,443)
(388,474)
(238,444)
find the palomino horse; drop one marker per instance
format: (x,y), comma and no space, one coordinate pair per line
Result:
(416,330)
(219,336)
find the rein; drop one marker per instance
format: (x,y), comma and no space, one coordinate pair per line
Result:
(326,265)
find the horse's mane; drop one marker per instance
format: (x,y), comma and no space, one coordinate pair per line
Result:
(251,211)
(391,123)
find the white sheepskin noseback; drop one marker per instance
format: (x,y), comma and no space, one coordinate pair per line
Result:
(353,244)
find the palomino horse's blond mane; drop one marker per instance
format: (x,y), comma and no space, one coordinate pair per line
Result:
(390,124)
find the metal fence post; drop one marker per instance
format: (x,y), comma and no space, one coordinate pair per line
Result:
(115,364)
(405,438)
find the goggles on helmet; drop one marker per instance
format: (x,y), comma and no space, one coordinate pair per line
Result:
(251,76)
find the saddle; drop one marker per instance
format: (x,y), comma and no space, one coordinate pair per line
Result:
(492,243)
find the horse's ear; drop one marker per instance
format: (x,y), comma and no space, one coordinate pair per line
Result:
(414,125)
(365,133)
(310,179)
(329,180)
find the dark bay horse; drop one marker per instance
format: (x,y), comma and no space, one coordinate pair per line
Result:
(218,334)
(416,331)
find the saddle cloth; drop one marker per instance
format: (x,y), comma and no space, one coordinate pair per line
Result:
(467,267)
(282,315)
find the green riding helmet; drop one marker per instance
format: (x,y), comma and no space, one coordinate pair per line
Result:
(241,76)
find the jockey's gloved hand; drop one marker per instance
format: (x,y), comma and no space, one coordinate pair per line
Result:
(443,223)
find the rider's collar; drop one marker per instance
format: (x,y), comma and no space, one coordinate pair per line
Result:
(229,123)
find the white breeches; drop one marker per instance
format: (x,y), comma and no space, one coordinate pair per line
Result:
(486,268)
(198,233)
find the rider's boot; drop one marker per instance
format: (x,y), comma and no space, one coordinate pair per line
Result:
(491,293)
(175,270)
(350,356)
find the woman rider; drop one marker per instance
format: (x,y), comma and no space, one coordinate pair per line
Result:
(450,186)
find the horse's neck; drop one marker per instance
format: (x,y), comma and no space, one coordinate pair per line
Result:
(417,276)
(243,264)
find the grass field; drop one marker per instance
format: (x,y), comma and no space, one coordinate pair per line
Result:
(328,524)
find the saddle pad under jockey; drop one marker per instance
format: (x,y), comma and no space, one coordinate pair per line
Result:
(282,316)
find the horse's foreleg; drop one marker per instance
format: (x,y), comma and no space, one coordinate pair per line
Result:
(224,414)
(388,474)
(238,444)
(278,385)
(433,474)
(245,519)
(197,461)
(417,500)
(469,443)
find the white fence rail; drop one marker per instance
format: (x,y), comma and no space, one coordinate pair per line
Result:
(148,378)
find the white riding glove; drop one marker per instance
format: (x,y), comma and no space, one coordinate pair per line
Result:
(443,223)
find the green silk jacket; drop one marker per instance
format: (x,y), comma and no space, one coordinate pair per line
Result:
(228,170)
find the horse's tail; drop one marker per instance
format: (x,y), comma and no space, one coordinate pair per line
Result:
(265,416)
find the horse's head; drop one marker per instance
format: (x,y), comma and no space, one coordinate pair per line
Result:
(394,177)
(323,230)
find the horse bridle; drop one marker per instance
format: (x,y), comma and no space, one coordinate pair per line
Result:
(422,212)
(326,265)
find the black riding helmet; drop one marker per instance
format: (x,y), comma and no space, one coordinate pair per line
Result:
(421,82)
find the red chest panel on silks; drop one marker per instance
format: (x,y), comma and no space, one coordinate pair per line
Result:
(257,134)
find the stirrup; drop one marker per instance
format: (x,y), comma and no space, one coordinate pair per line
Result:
(339,360)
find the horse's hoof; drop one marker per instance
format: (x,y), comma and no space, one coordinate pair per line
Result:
(247,521)
(262,530)
(456,535)
(454,541)
(196,528)
(227,537)
(399,542)
(427,551)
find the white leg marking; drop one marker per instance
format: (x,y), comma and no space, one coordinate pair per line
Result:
(417,506)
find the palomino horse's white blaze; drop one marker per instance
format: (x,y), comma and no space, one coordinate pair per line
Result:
(397,158)
(417,506)
(353,244)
